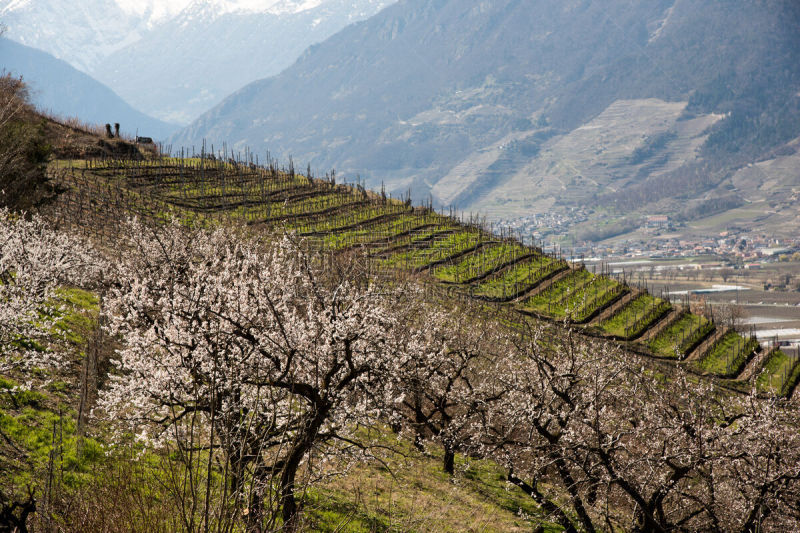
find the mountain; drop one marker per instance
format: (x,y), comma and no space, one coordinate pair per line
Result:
(188,63)
(582,109)
(80,33)
(177,59)
(58,88)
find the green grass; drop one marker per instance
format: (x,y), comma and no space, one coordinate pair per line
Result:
(519,277)
(346,219)
(13,396)
(556,294)
(29,414)
(483,260)
(278,210)
(211,194)
(415,495)
(729,355)
(437,249)
(635,317)
(595,297)
(37,413)
(779,374)
(37,425)
(78,316)
(416,238)
(577,295)
(74,313)
(676,339)
(385,231)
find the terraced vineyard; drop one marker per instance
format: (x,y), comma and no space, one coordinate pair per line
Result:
(577,296)
(438,248)
(482,262)
(519,278)
(411,239)
(779,374)
(728,356)
(384,233)
(636,317)
(677,340)
(397,236)
(339,224)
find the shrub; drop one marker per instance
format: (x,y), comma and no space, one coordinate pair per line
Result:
(24,150)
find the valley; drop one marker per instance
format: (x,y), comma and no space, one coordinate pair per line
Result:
(414,265)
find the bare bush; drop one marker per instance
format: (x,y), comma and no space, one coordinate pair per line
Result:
(23,149)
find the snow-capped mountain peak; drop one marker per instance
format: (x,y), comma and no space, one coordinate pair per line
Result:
(153,11)
(272,7)
(175,59)
(80,33)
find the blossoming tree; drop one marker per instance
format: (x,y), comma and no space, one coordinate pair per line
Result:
(633,450)
(280,360)
(449,376)
(35,260)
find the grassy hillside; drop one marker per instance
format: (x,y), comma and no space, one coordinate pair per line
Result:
(81,474)
(461,256)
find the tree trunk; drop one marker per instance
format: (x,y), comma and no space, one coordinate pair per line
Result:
(288,502)
(449,460)
(255,513)
(419,424)
(552,509)
(419,439)
(301,447)
(14,514)
(571,486)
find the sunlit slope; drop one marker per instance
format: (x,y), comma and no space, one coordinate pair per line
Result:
(460,256)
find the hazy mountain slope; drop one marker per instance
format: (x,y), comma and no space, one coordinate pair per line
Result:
(176,59)
(81,33)
(481,91)
(187,64)
(57,87)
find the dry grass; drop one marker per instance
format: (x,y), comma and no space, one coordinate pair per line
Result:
(410,492)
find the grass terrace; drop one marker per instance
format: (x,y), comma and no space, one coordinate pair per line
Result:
(235,191)
(439,248)
(384,232)
(423,498)
(317,204)
(346,220)
(558,292)
(681,336)
(416,239)
(635,317)
(779,375)
(578,295)
(519,278)
(729,355)
(482,261)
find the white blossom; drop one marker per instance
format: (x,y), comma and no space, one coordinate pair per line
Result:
(35,261)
